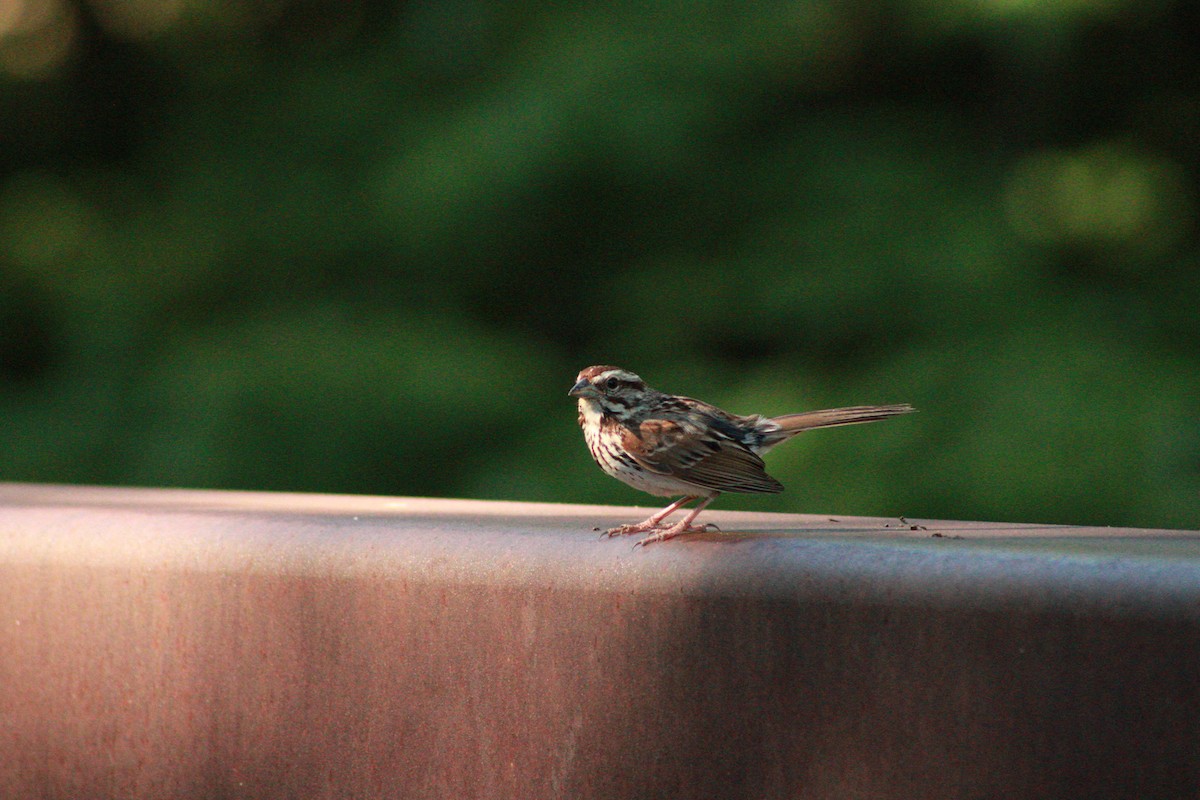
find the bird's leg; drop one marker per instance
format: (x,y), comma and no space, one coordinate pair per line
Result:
(653,522)
(683,526)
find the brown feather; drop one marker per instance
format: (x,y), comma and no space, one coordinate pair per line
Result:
(683,451)
(792,424)
(733,469)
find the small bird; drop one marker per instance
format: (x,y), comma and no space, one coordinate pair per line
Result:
(668,445)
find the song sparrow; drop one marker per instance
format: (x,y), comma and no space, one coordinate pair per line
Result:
(668,445)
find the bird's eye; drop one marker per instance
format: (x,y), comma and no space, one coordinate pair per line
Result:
(612,383)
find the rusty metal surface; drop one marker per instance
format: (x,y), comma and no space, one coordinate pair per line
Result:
(159,643)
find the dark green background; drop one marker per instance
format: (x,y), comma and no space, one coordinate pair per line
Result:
(365,247)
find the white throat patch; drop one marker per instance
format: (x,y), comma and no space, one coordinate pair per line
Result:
(591,412)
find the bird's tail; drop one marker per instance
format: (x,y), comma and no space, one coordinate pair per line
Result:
(791,424)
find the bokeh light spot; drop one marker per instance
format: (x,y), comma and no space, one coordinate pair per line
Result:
(35,37)
(1103,196)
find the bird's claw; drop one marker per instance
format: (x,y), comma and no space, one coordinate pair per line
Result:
(631,527)
(665,532)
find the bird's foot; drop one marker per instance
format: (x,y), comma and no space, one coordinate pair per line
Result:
(634,527)
(670,532)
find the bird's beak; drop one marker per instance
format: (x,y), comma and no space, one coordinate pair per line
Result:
(583,388)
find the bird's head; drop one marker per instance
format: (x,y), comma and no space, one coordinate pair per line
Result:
(608,389)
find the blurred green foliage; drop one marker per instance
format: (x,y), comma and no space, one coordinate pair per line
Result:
(358,246)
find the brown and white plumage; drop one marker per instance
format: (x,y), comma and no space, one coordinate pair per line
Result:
(668,446)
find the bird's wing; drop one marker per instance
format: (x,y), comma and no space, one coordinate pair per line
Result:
(700,454)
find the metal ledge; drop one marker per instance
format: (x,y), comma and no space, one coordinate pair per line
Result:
(169,643)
